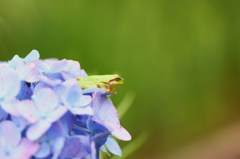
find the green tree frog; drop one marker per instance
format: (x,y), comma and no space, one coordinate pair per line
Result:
(106,82)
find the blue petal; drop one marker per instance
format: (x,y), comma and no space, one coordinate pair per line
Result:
(62,127)
(113,147)
(57,146)
(103,149)
(25,91)
(94,90)
(3,115)
(74,94)
(84,100)
(20,122)
(43,151)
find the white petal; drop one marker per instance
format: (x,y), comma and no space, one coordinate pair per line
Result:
(37,130)
(9,134)
(46,100)
(122,134)
(81,110)
(57,114)
(32,56)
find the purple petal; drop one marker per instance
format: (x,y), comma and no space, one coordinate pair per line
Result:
(85,147)
(106,114)
(62,127)
(46,100)
(9,134)
(113,147)
(70,149)
(37,130)
(105,111)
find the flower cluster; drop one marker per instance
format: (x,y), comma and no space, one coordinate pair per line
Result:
(45,114)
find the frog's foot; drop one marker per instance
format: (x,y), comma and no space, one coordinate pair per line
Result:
(110,91)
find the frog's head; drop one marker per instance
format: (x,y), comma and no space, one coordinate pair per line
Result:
(116,80)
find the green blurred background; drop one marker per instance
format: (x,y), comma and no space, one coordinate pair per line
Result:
(180,58)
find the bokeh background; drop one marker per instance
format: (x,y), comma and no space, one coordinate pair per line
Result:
(181,59)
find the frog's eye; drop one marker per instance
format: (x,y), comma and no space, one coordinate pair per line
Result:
(118,79)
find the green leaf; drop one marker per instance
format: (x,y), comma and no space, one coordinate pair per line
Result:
(126,103)
(133,146)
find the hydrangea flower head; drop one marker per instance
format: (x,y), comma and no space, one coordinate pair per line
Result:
(45,113)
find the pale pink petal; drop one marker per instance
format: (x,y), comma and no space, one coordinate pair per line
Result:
(28,72)
(25,150)
(9,134)
(122,134)
(28,110)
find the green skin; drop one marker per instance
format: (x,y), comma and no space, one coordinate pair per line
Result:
(106,82)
